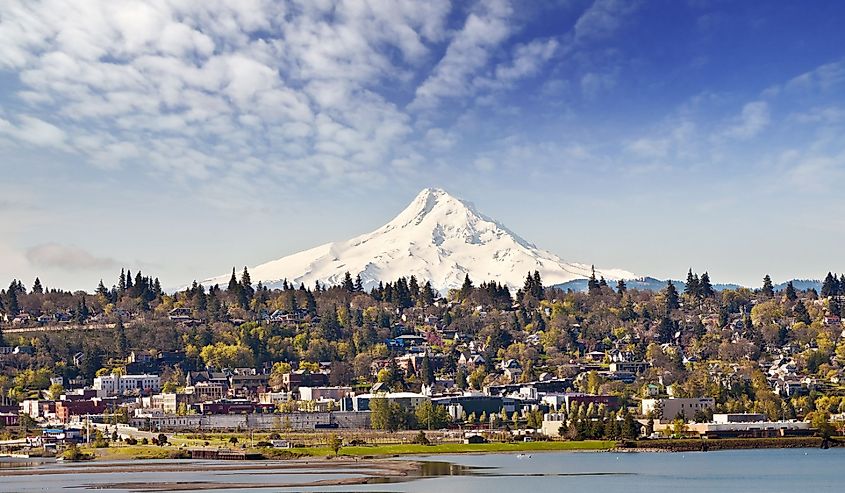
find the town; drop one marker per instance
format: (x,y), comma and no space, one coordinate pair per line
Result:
(132,363)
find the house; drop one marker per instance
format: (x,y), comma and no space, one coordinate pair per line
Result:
(180,314)
(595,356)
(474,439)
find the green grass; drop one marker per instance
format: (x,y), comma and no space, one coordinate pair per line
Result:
(457,448)
(126,452)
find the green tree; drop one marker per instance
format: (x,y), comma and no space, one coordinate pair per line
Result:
(335,443)
(768,290)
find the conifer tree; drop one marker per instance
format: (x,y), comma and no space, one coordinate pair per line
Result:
(768,290)
(36,287)
(121,345)
(791,295)
(427,294)
(671,294)
(466,288)
(233,282)
(359,284)
(121,284)
(621,287)
(829,286)
(801,313)
(705,288)
(347,284)
(691,289)
(102,291)
(593,283)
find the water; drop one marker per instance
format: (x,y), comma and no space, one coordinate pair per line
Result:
(776,470)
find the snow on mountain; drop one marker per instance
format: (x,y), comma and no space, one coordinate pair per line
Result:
(438,238)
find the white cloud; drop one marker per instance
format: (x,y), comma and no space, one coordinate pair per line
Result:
(34,131)
(751,121)
(203,90)
(467,53)
(603,18)
(67,257)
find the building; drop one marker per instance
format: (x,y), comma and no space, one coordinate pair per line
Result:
(291,381)
(111,385)
(564,401)
(323,393)
(206,391)
(666,410)
(408,400)
(65,410)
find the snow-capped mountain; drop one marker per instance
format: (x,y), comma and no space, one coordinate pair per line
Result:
(438,238)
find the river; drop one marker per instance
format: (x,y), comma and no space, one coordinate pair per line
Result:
(770,470)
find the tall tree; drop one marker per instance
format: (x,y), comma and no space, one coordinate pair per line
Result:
(671,294)
(691,289)
(705,288)
(593,283)
(621,287)
(466,288)
(36,287)
(348,285)
(791,295)
(768,290)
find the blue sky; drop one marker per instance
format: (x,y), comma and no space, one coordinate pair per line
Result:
(183,138)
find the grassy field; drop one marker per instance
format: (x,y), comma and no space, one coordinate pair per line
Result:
(458,448)
(127,452)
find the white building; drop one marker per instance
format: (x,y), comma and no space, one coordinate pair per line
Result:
(111,385)
(669,409)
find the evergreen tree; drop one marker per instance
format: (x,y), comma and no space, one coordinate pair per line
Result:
(36,287)
(768,290)
(233,282)
(621,287)
(359,284)
(12,306)
(829,286)
(329,324)
(426,371)
(427,294)
(593,284)
(121,283)
(102,291)
(348,285)
(705,288)
(466,288)
(672,302)
(121,345)
(791,295)
(310,303)
(129,281)
(461,379)
(414,289)
(666,330)
(691,289)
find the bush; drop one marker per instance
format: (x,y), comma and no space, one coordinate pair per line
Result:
(421,439)
(131,441)
(179,454)
(144,441)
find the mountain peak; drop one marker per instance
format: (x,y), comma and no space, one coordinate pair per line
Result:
(437,238)
(433,203)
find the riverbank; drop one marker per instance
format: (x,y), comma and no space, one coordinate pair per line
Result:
(374,451)
(711,445)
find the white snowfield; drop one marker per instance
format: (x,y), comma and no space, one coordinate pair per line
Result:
(438,238)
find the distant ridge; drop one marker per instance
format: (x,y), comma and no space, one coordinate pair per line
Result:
(654,284)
